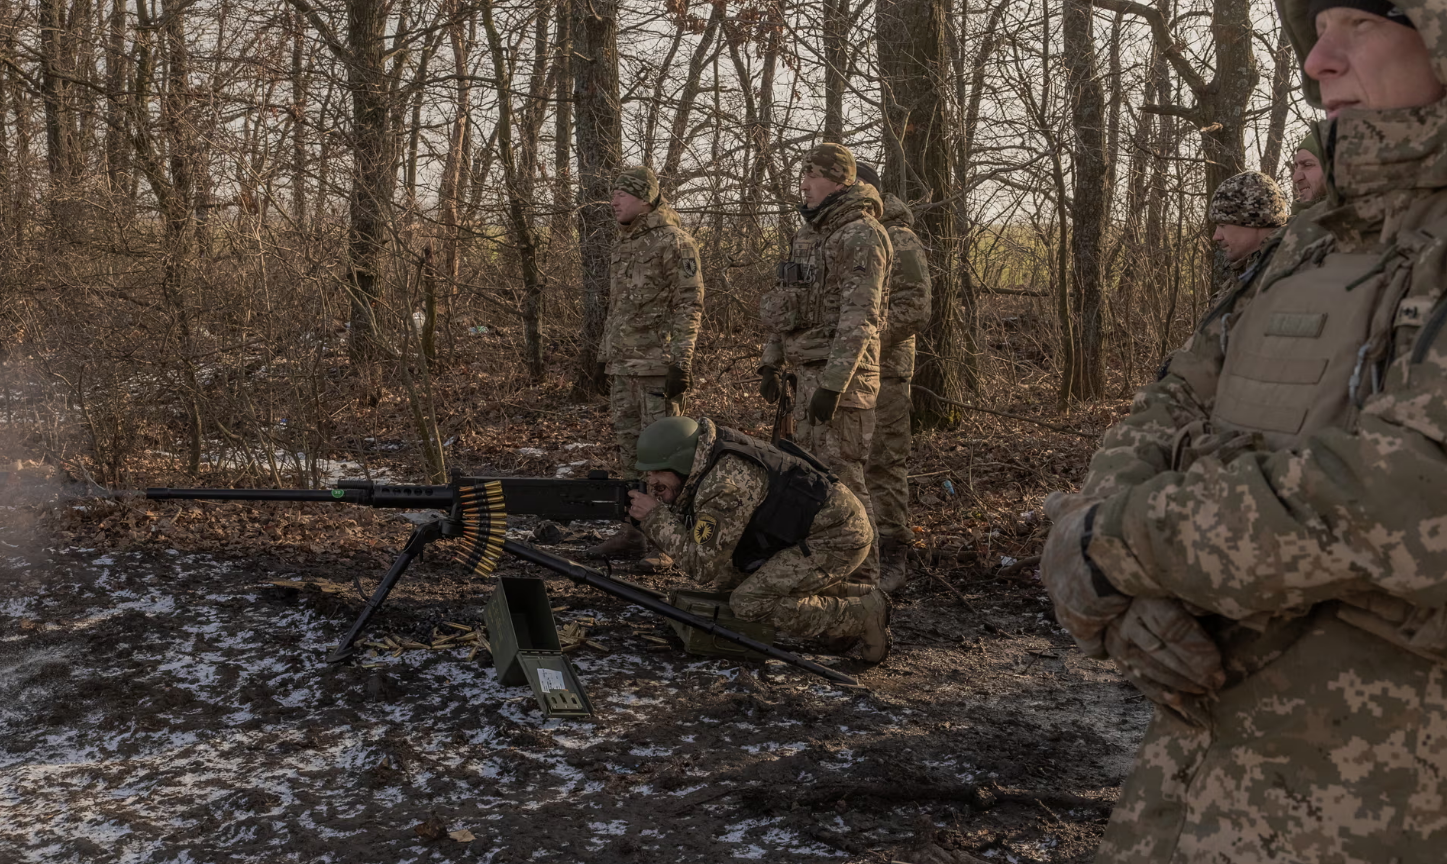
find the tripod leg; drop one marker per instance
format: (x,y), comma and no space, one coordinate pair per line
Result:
(421,536)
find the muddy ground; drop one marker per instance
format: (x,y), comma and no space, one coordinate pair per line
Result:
(162,701)
(160,705)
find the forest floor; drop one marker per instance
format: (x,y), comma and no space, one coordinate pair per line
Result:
(162,700)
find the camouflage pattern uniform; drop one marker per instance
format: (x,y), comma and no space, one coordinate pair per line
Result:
(798,594)
(909,311)
(654,306)
(1287,477)
(825,320)
(1252,200)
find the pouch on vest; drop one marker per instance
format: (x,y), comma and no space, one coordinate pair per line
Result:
(1293,351)
(799,486)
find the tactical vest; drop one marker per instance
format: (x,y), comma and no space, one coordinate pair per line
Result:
(799,486)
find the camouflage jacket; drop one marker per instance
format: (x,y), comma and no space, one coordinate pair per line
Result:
(655,298)
(909,291)
(828,308)
(1310,534)
(718,504)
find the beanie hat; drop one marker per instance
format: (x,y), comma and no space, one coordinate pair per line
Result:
(1249,199)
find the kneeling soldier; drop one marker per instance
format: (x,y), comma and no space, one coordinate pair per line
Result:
(771,525)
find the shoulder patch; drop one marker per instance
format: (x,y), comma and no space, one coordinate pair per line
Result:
(688,266)
(704,529)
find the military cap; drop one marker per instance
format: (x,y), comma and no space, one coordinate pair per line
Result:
(864,171)
(833,161)
(1309,145)
(640,182)
(1249,199)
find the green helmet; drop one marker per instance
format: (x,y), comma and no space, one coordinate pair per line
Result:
(668,444)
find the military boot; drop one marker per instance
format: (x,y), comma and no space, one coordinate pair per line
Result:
(867,626)
(874,645)
(627,544)
(893,557)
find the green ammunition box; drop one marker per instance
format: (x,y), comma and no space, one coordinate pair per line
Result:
(526,650)
(714,605)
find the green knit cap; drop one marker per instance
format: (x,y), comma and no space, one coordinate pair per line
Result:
(640,182)
(1309,145)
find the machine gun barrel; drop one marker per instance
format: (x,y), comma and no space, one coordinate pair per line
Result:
(581,575)
(562,499)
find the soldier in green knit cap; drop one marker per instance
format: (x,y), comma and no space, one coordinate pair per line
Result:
(1307,175)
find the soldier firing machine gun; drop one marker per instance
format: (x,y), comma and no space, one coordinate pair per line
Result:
(476,511)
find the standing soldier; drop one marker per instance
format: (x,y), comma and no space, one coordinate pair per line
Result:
(1307,176)
(1259,545)
(824,319)
(909,310)
(655,302)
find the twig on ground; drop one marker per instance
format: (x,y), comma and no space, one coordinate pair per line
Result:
(1021,418)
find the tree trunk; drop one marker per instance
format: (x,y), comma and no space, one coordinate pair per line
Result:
(374,170)
(1082,376)
(1284,63)
(836,66)
(678,130)
(915,67)
(599,132)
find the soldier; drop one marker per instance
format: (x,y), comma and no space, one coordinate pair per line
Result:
(909,310)
(1259,544)
(770,525)
(1306,175)
(655,302)
(1247,209)
(824,319)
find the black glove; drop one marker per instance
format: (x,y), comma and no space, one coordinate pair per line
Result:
(823,405)
(773,384)
(676,382)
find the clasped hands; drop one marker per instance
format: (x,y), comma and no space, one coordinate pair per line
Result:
(1156,642)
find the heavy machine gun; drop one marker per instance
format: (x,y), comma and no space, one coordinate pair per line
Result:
(475,516)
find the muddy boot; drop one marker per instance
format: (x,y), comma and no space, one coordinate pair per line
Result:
(627,544)
(655,561)
(876,641)
(892,566)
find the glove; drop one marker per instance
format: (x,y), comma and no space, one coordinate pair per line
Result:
(822,405)
(772,385)
(676,382)
(1159,640)
(1081,607)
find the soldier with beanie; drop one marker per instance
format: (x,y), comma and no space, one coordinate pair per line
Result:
(655,302)
(1307,176)
(1247,209)
(824,317)
(909,309)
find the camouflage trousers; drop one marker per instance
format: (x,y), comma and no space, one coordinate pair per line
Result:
(635,401)
(842,444)
(802,595)
(887,473)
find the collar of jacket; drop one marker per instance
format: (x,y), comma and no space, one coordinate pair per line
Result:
(707,432)
(658,217)
(843,206)
(1378,163)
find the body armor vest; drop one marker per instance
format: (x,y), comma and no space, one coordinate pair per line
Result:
(799,486)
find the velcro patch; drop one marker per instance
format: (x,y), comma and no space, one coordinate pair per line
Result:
(704,529)
(1296,325)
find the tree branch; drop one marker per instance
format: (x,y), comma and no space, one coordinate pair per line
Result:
(1162,31)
